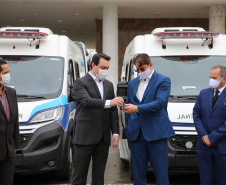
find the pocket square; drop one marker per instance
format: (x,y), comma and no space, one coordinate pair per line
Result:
(224,103)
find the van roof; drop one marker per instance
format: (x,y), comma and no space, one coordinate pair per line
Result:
(167,29)
(31,29)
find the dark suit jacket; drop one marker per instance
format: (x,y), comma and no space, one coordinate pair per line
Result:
(153,118)
(92,120)
(211,122)
(9,130)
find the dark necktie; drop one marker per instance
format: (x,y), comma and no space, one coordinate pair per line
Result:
(215,97)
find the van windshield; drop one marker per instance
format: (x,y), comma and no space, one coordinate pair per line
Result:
(36,77)
(188,74)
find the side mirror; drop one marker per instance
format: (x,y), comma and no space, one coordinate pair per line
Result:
(122,89)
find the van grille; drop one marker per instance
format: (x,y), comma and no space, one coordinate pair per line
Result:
(179,141)
(24,139)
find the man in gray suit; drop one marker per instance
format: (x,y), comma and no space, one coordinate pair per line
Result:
(95,119)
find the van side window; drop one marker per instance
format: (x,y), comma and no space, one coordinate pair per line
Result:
(77,75)
(126,72)
(131,70)
(71,73)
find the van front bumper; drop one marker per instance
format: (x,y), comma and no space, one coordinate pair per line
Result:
(43,150)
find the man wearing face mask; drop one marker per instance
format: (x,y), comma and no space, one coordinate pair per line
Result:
(147,122)
(9,127)
(209,116)
(96,116)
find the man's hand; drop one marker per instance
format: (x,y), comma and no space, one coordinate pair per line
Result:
(206,140)
(117,101)
(130,108)
(15,150)
(114,141)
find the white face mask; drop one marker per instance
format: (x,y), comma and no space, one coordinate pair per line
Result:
(102,74)
(5,79)
(144,75)
(214,83)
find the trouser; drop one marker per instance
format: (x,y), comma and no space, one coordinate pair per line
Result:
(157,152)
(83,154)
(7,171)
(208,161)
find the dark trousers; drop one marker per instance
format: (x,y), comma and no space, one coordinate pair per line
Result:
(7,171)
(157,152)
(208,160)
(83,154)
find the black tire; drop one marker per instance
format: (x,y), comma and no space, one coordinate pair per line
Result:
(130,169)
(66,172)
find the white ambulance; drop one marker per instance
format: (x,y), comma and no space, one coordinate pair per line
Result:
(43,67)
(186,55)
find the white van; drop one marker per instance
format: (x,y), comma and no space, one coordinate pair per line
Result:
(43,67)
(186,55)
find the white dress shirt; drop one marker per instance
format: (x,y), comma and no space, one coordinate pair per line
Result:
(142,86)
(221,90)
(101,89)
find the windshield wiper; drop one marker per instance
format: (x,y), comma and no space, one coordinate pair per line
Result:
(194,97)
(30,96)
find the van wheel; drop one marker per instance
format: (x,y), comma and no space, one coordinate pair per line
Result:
(130,169)
(66,172)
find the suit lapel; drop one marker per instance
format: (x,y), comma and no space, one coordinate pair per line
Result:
(150,85)
(8,95)
(210,99)
(134,89)
(222,95)
(105,89)
(93,84)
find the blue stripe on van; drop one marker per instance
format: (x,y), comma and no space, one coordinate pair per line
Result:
(82,63)
(179,123)
(62,100)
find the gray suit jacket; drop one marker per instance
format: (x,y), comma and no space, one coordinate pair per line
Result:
(92,120)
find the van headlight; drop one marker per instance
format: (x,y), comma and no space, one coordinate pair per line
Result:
(48,115)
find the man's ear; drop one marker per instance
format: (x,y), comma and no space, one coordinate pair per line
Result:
(92,64)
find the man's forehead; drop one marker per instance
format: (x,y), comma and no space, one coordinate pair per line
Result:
(104,62)
(215,71)
(137,65)
(5,66)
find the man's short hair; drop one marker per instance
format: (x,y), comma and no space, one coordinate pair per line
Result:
(141,59)
(222,70)
(2,62)
(96,58)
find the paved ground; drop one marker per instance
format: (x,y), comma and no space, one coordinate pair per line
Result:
(116,174)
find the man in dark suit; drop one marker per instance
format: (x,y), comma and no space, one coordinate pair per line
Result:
(96,116)
(9,127)
(209,115)
(147,122)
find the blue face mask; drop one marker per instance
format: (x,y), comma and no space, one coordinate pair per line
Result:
(144,75)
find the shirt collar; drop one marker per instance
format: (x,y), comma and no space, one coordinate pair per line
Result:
(149,77)
(3,90)
(221,89)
